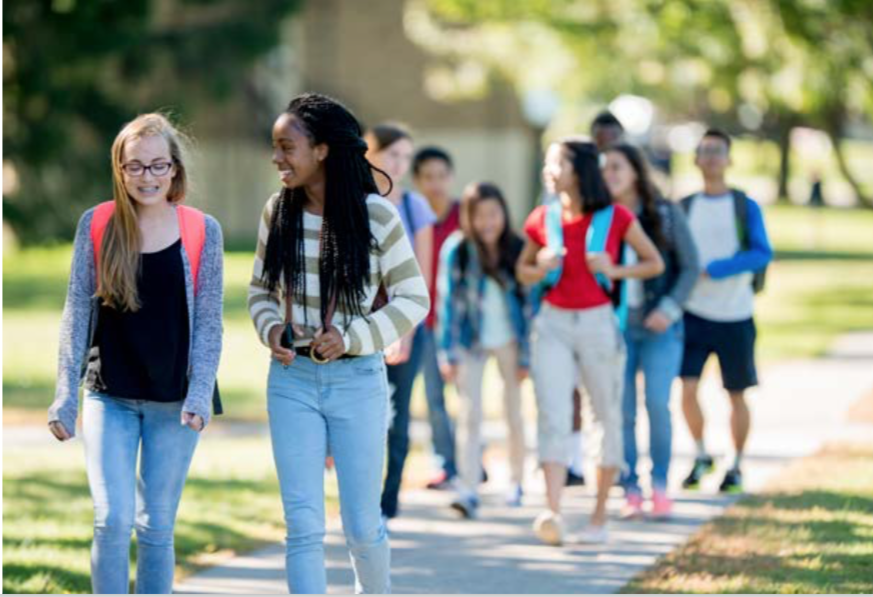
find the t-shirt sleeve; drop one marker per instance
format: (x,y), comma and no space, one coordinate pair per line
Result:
(535,226)
(422,214)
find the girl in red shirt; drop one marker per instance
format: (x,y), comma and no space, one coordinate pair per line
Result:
(576,337)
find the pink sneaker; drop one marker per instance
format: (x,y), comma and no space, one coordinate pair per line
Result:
(662,506)
(633,507)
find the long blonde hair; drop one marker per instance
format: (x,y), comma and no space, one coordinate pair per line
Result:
(120,250)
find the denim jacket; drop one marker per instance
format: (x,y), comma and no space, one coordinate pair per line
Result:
(460,289)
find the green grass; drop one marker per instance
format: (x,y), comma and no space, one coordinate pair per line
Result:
(47,512)
(810,532)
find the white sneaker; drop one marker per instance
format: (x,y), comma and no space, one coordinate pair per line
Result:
(592,535)
(513,496)
(549,528)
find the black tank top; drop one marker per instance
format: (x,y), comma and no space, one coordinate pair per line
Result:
(144,355)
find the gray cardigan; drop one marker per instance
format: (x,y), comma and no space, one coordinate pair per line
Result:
(204,321)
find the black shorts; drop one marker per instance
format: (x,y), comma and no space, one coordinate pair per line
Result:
(732,342)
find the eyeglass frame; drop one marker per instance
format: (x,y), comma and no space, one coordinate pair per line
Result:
(148,168)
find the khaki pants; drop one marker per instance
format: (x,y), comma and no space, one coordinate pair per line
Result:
(584,349)
(471,368)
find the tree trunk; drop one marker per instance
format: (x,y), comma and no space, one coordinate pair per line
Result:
(863,200)
(784,160)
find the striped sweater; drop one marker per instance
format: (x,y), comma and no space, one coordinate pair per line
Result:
(392,262)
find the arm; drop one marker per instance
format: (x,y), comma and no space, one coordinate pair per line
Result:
(649,265)
(408,296)
(424,250)
(263,304)
(207,332)
(527,269)
(753,259)
(689,267)
(445,312)
(74,329)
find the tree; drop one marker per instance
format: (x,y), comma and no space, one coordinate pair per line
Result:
(75,71)
(760,67)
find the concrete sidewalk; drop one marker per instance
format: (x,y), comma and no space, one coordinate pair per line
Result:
(800,406)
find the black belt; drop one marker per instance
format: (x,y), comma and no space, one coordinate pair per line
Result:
(306,351)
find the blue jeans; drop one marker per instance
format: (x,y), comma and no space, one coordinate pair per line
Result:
(401,377)
(343,406)
(443,435)
(114,431)
(659,356)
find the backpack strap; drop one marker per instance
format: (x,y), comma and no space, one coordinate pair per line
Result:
(741,211)
(192,228)
(99,221)
(596,238)
(685,202)
(554,241)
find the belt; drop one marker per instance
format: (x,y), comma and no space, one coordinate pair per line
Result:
(306,351)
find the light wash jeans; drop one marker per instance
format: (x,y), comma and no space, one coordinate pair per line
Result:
(442,432)
(342,405)
(115,430)
(659,357)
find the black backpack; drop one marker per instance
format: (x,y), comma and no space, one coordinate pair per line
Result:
(741,210)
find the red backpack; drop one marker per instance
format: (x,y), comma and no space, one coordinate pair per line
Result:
(192,227)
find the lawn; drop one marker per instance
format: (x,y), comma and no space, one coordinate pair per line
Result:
(810,532)
(47,511)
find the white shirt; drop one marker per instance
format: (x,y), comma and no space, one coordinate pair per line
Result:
(713,226)
(496,325)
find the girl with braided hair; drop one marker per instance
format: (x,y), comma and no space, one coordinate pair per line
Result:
(327,244)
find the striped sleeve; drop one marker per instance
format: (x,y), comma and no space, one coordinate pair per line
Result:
(264,306)
(408,296)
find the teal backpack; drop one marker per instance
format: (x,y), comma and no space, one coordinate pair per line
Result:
(595,242)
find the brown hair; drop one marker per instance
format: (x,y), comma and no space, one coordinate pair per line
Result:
(120,251)
(474,194)
(384,135)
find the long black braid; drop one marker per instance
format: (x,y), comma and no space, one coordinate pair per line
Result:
(346,239)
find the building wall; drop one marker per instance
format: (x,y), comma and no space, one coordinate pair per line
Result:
(358,52)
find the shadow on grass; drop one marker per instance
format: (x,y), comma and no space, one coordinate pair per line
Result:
(813,541)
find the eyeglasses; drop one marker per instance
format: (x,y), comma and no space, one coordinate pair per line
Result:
(137,169)
(711,152)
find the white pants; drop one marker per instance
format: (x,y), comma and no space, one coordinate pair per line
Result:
(471,369)
(585,349)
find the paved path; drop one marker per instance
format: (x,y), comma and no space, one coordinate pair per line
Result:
(800,406)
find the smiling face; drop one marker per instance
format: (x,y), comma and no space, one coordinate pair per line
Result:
(147,169)
(394,159)
(619,175)
(488,221)
(558,173)
(299,162)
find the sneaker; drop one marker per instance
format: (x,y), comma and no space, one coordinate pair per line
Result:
(549,528)
(633,507)
(662,506)
(441,482)
(733,482)
(466,505)
(575,480)
(703,465)
(513,498)
(592,535)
